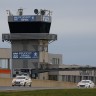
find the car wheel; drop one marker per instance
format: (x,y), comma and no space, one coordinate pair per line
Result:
(30,85)
(25,84)
(78,86)
(13,85)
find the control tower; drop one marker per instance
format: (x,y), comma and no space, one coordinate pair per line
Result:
(29,37)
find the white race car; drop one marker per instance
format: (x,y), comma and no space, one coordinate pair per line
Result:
(85,84)
(22,81)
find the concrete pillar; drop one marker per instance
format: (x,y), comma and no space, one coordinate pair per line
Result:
(88,77)
(59,78)
(77,79)
(64,78)
(8,66)
(82,77)
(94,76)
(71,78)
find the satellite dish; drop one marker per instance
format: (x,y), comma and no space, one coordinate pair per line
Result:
(36,11)
(42,12)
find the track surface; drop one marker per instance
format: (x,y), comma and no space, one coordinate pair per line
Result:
(21,88)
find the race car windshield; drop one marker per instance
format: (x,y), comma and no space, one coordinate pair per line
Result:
(20,77)
(85,81)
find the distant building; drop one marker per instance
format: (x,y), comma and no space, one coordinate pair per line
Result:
(59,72)
(5,62)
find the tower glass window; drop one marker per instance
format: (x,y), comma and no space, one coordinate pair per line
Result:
(29,27)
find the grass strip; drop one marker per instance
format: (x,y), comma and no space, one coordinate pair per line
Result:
(52,92)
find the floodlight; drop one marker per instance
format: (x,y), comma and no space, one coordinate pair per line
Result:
(36,11)
(42,12)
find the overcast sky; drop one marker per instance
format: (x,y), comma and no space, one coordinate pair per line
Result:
(74,21)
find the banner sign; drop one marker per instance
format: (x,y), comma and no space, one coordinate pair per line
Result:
(25,55)
(46,18)
(24,18)
(15,55)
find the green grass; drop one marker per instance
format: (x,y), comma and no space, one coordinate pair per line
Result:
(55,92)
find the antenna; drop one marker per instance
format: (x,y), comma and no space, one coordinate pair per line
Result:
(9,13)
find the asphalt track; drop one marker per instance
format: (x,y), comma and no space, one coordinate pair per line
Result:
(26,88)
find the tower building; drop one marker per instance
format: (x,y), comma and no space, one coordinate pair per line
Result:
(29,37)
